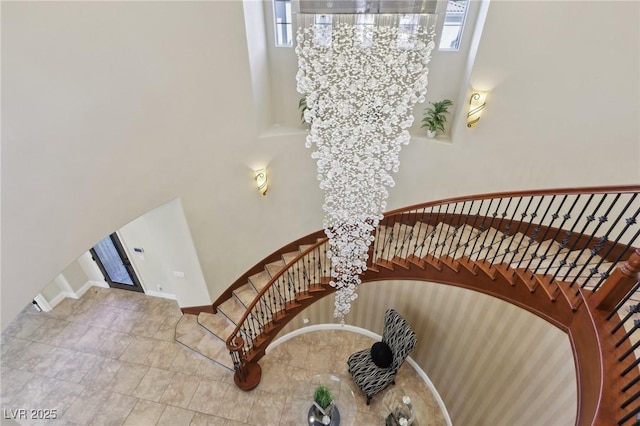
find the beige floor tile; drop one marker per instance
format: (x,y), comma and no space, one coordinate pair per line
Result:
(62,397)
(241,403)
(114,344)
(211,370)
(180,390)
(167,330)
(102,373)
(186,361)
(145,413)
(153,384)
(13,380)
(162,355)
(173,416)
(201,419)
(147,326)
(115,410)
(92,340)
(138,350)
(85,406)
(128,377)
(49,330)
(71,334)
(27,323)
(77,366)
(208,396)
(267,408)
(125,321)
(12,347)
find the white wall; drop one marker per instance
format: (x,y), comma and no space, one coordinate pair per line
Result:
(111,109)
(167,248)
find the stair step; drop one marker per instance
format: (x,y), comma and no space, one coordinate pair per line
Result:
(195,337)
(549,285)
(274,267)
(287,258)
(245,294)
(232,309)
(571,294)
(305,247)
(217,324)
(480,247)
(259,280)
(527,278)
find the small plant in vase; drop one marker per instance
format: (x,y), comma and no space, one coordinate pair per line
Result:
(323,402)
(435,117)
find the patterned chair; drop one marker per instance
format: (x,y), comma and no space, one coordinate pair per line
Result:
(375,368)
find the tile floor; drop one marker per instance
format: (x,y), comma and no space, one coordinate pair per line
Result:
(110,358)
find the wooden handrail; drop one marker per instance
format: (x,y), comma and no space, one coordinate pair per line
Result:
(623,189)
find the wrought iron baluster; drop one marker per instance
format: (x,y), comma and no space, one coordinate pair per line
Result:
(480,230)
(461,224)
(421,223)
(530,241)
(506,234)
(567,238)
(563,243)
(433,231)
(633,309)
(483,245)
(628,222)
(631,382)
(602,219)
(534,236)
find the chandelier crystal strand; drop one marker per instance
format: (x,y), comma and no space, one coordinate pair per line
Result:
(361,83)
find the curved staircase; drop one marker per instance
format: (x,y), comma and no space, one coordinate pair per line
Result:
(205,330)
(566,255)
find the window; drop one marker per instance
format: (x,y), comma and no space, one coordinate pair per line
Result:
(283,22)
(324,29)
(453,24)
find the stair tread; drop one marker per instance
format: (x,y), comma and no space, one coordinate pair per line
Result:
(197,338)
(232,309)
(274,267)
(287,258)
(259,280)
(217,324)
(246,294)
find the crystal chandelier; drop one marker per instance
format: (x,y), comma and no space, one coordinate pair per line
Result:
(361,75)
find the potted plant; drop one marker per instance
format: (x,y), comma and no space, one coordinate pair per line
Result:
(434,117)
(323,402)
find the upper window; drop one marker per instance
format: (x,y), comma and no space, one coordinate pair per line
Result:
(283,22)
(453,24)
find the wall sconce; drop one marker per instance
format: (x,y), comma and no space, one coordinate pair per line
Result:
(477,102)
(261,181)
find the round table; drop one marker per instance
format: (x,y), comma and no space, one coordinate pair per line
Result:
(343,397)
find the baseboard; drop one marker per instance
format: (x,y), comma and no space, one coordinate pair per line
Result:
(86,286)
(74,295)
(42,303)
(161,294)
(101,283)
(375,336)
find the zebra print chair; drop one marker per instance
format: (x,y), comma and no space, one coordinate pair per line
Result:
(375,368)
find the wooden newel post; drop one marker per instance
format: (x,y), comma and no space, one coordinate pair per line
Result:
(247,374)
(618,284)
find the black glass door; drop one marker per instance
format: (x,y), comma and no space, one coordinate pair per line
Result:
(114,264)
